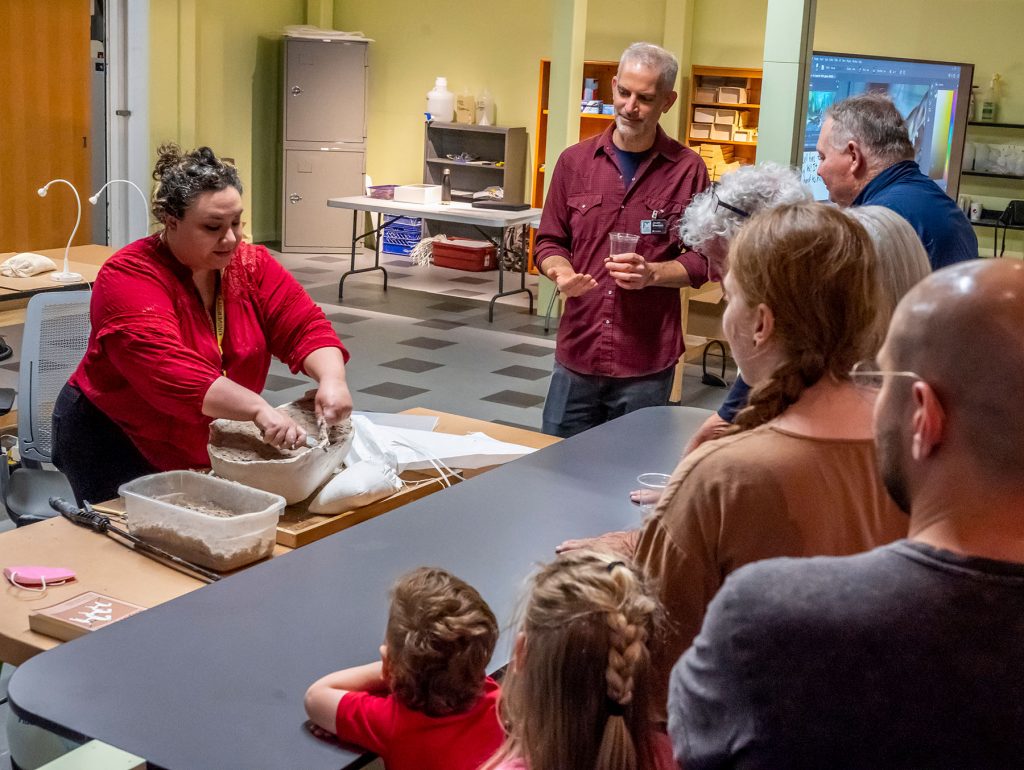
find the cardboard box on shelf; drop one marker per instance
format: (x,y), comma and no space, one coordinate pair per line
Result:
(705,94)
(700,131)
(727,116)
(704,114)
(721,131)
(732,95)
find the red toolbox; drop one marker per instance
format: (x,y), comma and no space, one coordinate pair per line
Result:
(465,254)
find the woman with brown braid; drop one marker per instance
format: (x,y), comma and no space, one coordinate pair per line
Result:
(798,475)
(577,695)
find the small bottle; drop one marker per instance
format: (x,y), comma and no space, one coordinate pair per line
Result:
(485,109)
(972,105)
(446,186)
(990,101)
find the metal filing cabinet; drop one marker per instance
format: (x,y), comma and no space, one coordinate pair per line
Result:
(324,141)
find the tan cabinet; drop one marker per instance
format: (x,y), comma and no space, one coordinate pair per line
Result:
(324,141)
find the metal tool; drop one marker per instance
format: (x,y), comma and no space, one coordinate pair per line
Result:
(87,517)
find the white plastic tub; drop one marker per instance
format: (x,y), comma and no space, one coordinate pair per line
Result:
(212,522)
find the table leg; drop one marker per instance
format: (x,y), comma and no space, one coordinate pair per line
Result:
(500,246)
(376,251)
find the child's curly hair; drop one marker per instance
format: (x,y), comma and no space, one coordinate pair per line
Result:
(440,637)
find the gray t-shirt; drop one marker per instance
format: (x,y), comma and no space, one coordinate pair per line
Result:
(905,656)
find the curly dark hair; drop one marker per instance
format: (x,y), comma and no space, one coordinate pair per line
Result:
(183,176)
(440,636)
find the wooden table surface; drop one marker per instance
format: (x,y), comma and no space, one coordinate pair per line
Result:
(108,567)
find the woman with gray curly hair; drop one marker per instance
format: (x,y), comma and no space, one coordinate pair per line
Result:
(714,217)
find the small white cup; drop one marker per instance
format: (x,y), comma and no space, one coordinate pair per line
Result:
(652,485)
(622,243)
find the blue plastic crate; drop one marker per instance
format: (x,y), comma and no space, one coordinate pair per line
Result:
(401,235)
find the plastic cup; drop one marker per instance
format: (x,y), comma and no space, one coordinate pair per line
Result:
(652,485)
(622,243)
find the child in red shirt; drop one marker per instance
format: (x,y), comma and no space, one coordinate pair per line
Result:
(428,702)
(577,694)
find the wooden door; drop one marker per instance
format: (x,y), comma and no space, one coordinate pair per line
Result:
(44,121)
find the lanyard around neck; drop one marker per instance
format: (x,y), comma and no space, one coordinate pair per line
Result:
(218,321)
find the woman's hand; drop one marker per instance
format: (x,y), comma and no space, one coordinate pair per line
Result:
(278,429)
(333,400)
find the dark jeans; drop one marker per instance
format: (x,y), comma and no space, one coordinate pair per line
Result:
(91,450)
(577,402)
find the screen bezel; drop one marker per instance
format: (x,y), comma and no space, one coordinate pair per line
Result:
(956,155)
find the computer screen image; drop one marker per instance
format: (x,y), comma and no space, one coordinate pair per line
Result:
(931,96)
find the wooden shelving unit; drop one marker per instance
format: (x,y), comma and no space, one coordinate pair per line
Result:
(591,124)
(702,80)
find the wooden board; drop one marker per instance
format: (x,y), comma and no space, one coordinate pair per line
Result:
(299,527)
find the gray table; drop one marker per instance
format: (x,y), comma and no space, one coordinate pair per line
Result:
(215,678)
(459,213)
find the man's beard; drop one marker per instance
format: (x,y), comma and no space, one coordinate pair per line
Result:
(890,462)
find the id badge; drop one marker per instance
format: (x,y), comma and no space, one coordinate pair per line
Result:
(653,226)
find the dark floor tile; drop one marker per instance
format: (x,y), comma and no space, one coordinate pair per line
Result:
(523,372)
(342,336)
(275,382)
(412,365)
(393,390)
(311,270)
(345,318)
(470,280)
(399,263)
(463,293)
(427,343)
(437,323)
(514,398)
(331,258)
(526,349)
(452,307)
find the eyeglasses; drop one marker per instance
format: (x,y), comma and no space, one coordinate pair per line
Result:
(719,203)
(867,374)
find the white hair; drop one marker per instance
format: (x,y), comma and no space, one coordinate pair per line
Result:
(902,259)
(652,57)
(750,189)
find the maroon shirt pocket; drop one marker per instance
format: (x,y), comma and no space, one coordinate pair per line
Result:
(582,204)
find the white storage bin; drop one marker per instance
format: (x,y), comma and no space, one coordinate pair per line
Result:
(208,521)
(700,131)
(727,116)
(704,114)
(704,94)
(721,131)
(732,95)
(418,193)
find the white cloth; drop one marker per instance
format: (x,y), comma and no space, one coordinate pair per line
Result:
(361,484)
(26,264)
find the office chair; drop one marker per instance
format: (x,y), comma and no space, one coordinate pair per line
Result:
(54,342)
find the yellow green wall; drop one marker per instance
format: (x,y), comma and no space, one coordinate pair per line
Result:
(215,80)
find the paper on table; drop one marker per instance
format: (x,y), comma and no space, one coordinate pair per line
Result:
(415,449)
(415,421)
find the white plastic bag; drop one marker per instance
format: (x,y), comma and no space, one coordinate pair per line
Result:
(363,483)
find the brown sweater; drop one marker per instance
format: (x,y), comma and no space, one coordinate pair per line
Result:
(752,496)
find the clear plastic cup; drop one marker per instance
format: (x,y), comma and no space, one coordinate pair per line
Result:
(622,243)
(652,485)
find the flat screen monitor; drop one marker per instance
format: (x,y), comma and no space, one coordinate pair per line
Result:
(932,96)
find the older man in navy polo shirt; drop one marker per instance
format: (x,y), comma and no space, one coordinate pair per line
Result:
(620,335)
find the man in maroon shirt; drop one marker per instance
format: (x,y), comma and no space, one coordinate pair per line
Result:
(620,335)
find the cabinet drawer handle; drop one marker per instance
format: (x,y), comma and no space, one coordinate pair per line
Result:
(296,90)
(294,197)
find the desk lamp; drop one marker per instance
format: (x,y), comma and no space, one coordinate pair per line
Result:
(145,202)
(65,276)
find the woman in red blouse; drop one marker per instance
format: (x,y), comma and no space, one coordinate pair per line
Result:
(183,326)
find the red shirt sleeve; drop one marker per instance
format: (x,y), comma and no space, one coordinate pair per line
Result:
(138,329)
(366,719)
(295,325)
(554,236)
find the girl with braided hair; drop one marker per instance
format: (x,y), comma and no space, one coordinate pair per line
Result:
(577,694)
(798,476)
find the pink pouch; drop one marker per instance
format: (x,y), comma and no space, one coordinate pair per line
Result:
(35,578)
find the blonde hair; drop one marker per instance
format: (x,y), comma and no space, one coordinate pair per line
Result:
(578,696)
(440,637)
(902,260)
(817,270)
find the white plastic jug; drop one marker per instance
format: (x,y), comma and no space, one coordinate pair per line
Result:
(441,101)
